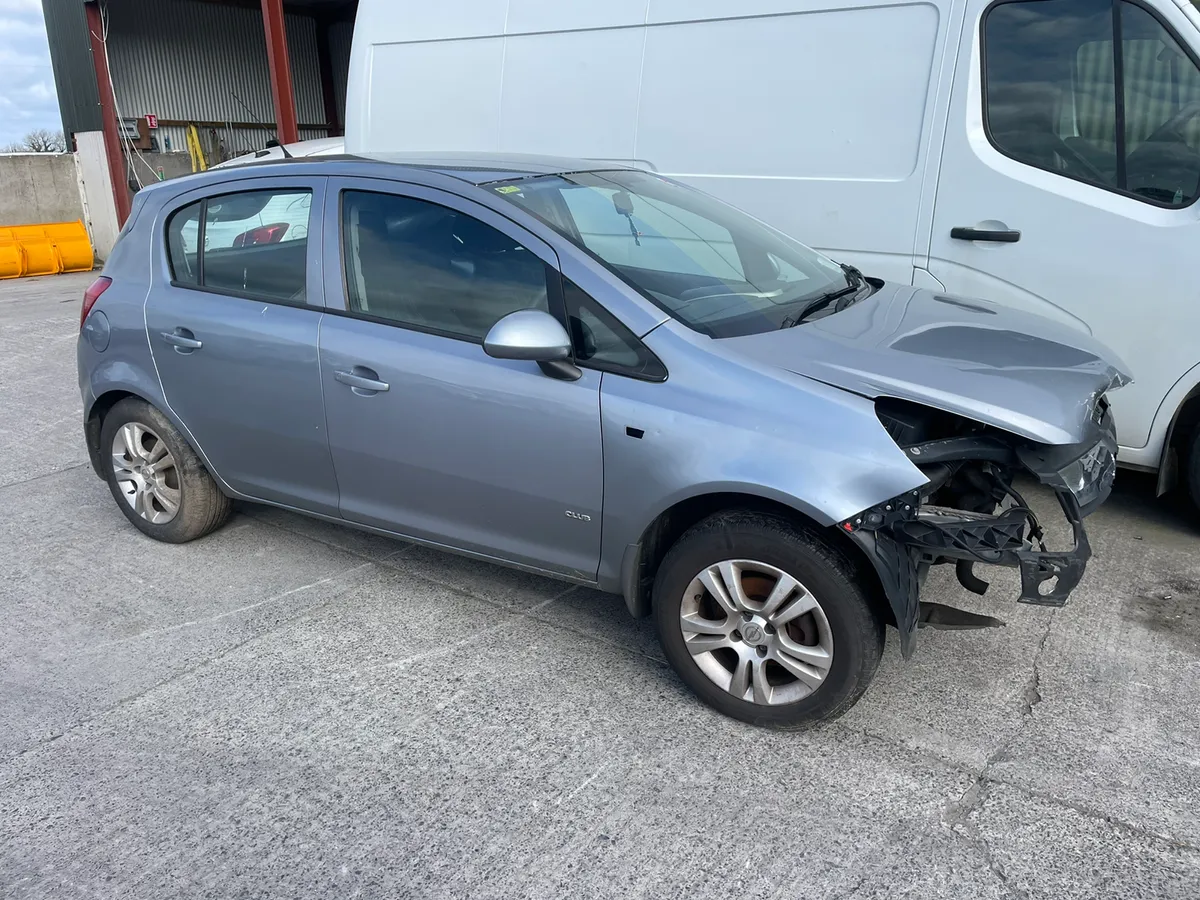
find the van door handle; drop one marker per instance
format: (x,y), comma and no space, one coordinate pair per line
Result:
(182,340)
(361,380)
(1007,236)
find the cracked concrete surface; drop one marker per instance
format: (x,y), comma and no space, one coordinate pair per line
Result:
(292,709)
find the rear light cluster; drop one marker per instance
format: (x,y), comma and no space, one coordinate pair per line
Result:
(264,234)
(91,295)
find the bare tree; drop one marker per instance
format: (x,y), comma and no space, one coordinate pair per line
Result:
(40,140)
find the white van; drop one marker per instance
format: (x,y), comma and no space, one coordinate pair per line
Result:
(1039,153)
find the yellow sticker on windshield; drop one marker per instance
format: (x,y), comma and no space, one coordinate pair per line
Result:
(508,189)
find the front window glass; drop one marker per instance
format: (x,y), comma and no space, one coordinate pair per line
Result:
(715,269)
(1062,95)
(432,268)
(1162,111)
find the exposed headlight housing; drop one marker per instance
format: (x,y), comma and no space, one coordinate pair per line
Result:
(1090,477)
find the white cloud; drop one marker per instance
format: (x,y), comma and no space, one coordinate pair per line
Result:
(28,100)
(26,7)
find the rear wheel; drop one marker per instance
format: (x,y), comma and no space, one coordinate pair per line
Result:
(765,622)
(158,481)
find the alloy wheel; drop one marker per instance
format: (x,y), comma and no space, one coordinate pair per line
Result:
(146,473)
(756,632)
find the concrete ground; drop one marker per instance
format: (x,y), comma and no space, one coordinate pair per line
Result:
(292,709)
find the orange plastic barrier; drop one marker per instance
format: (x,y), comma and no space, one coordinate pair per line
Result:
(45,249)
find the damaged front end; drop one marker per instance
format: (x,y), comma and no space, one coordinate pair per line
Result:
(970,512)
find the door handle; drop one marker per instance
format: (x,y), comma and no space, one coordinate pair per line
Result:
(182,340)
(1005,236)
(361,380)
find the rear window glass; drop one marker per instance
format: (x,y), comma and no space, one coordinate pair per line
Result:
(252,243)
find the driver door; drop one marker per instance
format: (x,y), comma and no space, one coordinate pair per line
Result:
(1060,190)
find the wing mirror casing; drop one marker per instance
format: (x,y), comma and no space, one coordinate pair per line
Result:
(534,335)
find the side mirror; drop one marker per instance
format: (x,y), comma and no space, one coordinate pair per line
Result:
(532,334)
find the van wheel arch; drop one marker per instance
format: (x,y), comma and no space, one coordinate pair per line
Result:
(1177,465)
(670,525)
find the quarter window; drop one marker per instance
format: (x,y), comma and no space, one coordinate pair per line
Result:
(1066,95)
(433,268)
(253,243)
(602,342)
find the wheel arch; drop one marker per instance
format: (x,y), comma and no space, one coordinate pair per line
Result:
(641,560)
(103,404)
(1183,422)
(93,424)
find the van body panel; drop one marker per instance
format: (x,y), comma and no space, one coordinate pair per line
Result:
(857,129)
(1086,255)
(823,118)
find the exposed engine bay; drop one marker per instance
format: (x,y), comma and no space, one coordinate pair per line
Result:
(970,511)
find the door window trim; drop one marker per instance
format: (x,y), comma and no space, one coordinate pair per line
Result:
(314,188)
(554,294)
(1118,90)
(468,207)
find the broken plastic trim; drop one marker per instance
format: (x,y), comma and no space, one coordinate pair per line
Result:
(901,536)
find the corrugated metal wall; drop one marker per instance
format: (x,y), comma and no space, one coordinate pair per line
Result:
(340,36)
(186,61)
(71,57)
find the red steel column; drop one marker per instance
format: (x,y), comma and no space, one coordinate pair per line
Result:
(108,114)
(281,71)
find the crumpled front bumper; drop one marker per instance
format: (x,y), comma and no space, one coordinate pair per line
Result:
(905,536)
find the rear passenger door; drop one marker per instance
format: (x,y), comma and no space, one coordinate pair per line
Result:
(430,436)
(232,320)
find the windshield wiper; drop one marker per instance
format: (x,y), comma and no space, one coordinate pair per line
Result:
(854,281)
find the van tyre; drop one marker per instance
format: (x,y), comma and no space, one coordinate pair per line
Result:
(765,621)
(1192,467)
(158,481)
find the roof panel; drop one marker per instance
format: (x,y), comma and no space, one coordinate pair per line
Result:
(481,168)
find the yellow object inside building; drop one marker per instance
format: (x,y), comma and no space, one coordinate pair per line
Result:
(45,249)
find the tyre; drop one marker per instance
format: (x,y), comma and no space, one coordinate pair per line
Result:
(156,478)
(765,622)
(1191,468)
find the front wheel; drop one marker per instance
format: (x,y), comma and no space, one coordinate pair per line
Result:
(765,622)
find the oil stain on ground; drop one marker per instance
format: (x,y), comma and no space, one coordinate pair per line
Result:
(1171,609)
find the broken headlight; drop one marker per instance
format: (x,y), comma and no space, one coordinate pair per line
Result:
(1090,478)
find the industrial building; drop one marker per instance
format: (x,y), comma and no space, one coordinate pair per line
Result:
(153,88)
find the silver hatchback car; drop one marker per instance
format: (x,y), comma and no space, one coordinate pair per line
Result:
(599,374)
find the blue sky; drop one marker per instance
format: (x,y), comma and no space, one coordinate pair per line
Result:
(27,98)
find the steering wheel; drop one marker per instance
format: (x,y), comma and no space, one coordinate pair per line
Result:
(1073,158)
(1164,162)
(1170,129)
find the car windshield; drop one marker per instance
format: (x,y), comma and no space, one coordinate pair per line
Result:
(715,269)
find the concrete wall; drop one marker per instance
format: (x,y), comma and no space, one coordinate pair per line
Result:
(39,187)
(173,164)
(95,184)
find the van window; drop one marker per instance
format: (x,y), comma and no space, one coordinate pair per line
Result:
(433,268)
(252,243)
(1053,99)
